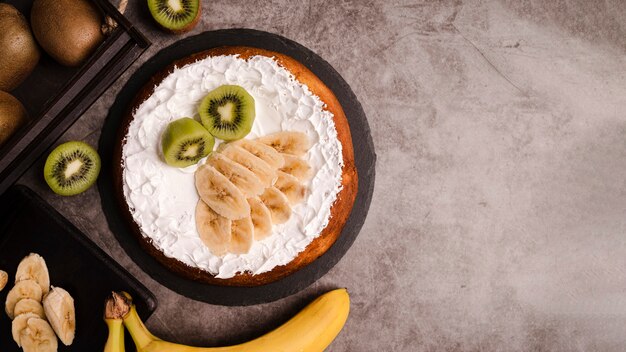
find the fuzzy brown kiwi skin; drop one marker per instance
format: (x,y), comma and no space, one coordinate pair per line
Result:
(188,27)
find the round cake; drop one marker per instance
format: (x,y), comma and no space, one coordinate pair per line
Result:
(159,200)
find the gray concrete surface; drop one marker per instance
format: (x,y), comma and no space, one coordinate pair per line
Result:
(499,217)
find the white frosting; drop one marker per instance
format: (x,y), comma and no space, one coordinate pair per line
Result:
(162,199)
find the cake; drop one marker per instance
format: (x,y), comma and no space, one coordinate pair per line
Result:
(159,200)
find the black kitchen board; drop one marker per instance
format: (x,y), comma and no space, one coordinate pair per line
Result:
(28,224)
(365,159)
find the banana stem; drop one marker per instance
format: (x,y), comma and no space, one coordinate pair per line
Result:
(115,341)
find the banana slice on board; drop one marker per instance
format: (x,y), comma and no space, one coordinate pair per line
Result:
(38,336)
(247,182)
(297,167)
(277,203)
(33,267)
(242,233)
(22,289)
(291,187)
(214,229)
(60,311)
(220,194)
(262,151)
(260,168)
(288,142)
(261,219)
(18,324)
(29,305)
(4,278)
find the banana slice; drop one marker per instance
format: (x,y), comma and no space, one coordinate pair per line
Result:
(262,151)
(288,142)
(242,234)
(291,187)
(247,182)
(59,308)
(260,168)
(29,305)
(220,194)
(22,289)
(33,267)
(277,203)
(38,336)
(261,219)
(20,323)
(214,229)
(4,278)
(297,167)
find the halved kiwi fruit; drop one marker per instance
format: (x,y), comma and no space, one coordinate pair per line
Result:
(176,16)
(228,112)
(71,168)
(185,141)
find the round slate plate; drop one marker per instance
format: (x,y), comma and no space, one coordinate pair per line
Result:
(365,160)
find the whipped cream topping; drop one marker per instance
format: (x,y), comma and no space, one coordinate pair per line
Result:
(162,199)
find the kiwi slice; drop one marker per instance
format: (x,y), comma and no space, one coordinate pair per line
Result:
(185,141)
(228,112)
(71,168)
(176,16)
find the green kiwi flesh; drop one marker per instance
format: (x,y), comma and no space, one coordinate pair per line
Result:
(185,141)
(71,168)
(228,112)
(177,16)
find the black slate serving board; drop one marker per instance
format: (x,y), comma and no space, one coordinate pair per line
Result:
(75,263)
(365,159)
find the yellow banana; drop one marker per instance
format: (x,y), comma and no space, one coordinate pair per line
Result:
(115,341)
(311,330)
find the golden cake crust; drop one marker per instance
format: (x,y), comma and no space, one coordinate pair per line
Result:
(340,210)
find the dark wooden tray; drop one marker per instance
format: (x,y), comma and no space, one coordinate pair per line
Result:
(365,160)
(56,96)
(28,224)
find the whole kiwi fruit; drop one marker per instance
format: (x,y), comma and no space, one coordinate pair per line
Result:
(18,50)
(68,30)
(12,116)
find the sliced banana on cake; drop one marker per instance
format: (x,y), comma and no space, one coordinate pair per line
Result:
(22,289)
(38,336)
(220,194)
(262,151)
(242,234)
(297,167)
(290,187)
(4,278)
(33,267)
(277,203)
(59,308)
(247,182)
(29,305)
(214,229)
(260,168)
(261,218)
(288,142)
(19,323)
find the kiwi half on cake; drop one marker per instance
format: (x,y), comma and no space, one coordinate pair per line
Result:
(228,112)
(177,16)
(185,141)
(71,168)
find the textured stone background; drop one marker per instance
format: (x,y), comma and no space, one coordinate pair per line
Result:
(499,216)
